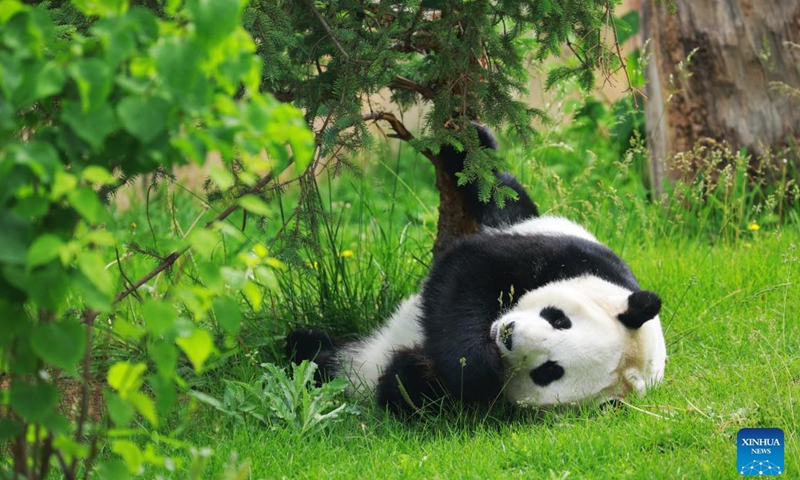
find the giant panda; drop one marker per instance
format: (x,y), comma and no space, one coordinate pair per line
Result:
(533,309)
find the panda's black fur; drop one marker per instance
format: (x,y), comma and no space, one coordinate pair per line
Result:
(469,286)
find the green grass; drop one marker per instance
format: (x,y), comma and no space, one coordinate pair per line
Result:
(733,337)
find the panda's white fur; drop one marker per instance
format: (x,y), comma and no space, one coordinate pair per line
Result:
(362,362)
(602,359)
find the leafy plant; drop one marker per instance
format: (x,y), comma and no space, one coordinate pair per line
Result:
(296,403)
(81,114)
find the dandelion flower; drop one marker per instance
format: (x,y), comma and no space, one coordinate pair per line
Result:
(346,254)
(753,226)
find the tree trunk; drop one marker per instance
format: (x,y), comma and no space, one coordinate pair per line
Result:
(454,221)
(724,92)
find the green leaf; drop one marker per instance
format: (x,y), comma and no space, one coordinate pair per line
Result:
(198,346)
(214,19)
(144,118)
(222,177)
(159,316)
(60,343)
(93,126)
(13,239)
(101,8)
(97,175)
(92,265)
(120,411)
(165,357)
(204,242)
(85,201)
(228,313)
(255,205)
(130,453)
(112,470)
(145,406)
(125,377)
(177,61)
(94,80)
(44,250)
(63,184)
(49,81)
(33,402)
(165,393)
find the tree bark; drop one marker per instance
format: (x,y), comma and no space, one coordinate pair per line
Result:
(740,47)
(454,221)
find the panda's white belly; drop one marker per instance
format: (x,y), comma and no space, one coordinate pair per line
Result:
(363,361)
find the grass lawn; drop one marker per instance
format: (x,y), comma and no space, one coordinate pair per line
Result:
(731,321)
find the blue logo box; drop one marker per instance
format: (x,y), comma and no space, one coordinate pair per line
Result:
(759,451)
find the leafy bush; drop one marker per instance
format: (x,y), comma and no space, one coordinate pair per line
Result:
(81,114)
(296,403)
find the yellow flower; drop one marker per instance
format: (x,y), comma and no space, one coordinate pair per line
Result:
(346,254)
(753,226)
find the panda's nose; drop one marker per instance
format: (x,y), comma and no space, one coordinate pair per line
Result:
(507,335)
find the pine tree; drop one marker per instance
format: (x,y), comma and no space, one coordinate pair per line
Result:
(467,60)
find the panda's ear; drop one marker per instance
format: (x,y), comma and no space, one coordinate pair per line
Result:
(642,306)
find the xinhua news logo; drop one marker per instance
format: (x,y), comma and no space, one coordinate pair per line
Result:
(759,451)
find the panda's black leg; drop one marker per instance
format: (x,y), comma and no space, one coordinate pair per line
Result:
(488,213)
(315,345)
(408,383)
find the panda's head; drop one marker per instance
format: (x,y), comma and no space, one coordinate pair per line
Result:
(579,340)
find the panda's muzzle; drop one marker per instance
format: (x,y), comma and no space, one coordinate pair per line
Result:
(506,335)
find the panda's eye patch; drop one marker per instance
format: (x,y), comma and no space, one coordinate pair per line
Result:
(556,318)
(546,373)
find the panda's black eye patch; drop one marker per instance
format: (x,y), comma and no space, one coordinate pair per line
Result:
(546,373)
(556,318)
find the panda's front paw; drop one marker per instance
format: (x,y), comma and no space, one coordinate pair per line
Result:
(409,383)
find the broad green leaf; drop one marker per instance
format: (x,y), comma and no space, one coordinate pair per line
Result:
(159,316)
(63,184)
(13,241)
(166,395)
(101,8)
(214,19)
(145,406)
(203,242)
(48,286)
(130,453)
(177,61)
(9,428)
(126,377)
(143,117)
(221,176)
(33,402)
(121,412)
(228,313)
(94,80)
(198,346)
(49,81)
(165,357)
(44,250)
(255,205)
(85,201)
(97,175)
(88,291)
(93,126)
(92,265)
(60,343)
(111,470)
